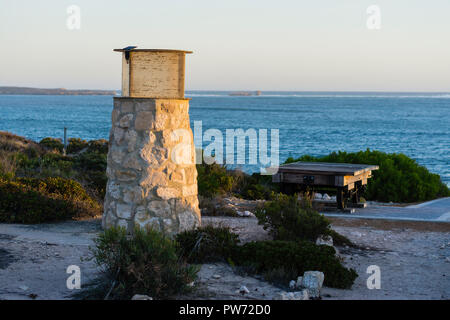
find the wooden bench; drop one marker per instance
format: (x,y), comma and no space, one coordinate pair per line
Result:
(349,179)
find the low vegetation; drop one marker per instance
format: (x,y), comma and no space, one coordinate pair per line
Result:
(147,263)
(279,261)
(38,183)
(289,219)
(208,244)
(298,257)
(31,200)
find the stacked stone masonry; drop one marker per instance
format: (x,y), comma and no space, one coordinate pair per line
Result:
(152,178)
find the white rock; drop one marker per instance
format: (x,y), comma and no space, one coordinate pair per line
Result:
(325,240)
(296,295)
(298,284)
(292,284)
(313,281)
(243,290)
(248,214)
(141,297)
(216,276)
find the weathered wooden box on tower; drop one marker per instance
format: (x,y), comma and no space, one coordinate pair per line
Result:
(153,73)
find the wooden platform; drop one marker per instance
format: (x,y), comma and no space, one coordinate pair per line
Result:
(349,179)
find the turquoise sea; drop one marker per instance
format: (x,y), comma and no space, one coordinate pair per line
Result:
(316,123)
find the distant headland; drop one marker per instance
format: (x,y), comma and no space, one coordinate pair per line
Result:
(55,91)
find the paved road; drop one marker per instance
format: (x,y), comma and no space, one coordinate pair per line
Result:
(436,210)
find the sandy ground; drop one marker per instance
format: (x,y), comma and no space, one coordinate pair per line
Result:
(414,260)
(414,264)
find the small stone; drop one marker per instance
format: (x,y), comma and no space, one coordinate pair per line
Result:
(243,290)
(144,120)
(298,284)
(297,295)
(141,297)
(166,193)
(313,281)
(217,276)
(292,284)
(125,121)
(325,240)
(123,211)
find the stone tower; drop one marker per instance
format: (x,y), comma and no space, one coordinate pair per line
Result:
(152,178)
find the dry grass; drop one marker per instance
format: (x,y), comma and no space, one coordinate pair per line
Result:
(8,164)
(11,143)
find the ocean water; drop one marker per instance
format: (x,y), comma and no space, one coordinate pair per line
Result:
(316,123)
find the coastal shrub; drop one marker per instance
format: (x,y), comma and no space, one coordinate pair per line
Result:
(254,186)
(8,165)
(208,244)
(215,207)
(36,201)
(52,144)
(91,168)
(12,143)
(99,146)
(146,263)
(76,145)
(91,161)
(296,257)
(399,178)
(65,188)
(288,218)
(213,179)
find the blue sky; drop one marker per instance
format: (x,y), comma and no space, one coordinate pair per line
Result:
(238,44)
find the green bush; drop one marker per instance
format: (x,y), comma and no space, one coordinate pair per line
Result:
(91,168)
(64,188)
(146,263)
(213,179)
(99,146)
(399,178)
(287,218)
(91,161)
(297,257)
(208,244)
(76,145)
(278,261)
(52,144)
(36,201)
(290,219)
(255,186)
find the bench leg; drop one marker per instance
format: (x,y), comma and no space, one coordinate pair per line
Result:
(340,199)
